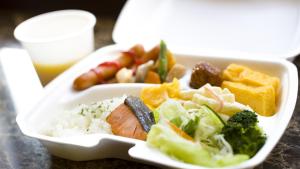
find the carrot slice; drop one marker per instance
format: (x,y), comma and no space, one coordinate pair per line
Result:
(152,77)
(180,132)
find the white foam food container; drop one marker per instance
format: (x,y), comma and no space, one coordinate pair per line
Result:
(256,28)
(195,30)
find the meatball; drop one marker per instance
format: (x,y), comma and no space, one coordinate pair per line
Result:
(203,73)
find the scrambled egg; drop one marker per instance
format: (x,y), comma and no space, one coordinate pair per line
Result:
(155,95)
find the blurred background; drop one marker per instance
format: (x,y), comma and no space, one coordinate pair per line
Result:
(13,12)
(103,7)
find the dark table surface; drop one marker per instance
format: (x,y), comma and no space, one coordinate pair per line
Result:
(18,151)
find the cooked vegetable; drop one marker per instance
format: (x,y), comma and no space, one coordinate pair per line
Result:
(171,60)
(168,141)
(153,54)
(152,77)
(124,123)
(177,71)
(203,73)
(141,111)
(243,133)
(125,76)
(163,61)
(142,71)
(246,118)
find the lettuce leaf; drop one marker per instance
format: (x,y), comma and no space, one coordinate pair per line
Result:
(165,139)
(209,124)
(172,109)
(191,127)
(168,141)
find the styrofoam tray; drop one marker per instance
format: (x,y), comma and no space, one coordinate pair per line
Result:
(218,31)
(58,95)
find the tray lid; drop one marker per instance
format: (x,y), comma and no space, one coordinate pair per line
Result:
(242,28)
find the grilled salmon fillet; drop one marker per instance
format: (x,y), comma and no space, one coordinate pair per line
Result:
(124,123)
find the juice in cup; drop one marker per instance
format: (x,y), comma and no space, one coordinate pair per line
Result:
(56,40)
(48,72)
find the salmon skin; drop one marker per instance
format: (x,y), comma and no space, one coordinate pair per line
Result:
(124,123)
(141,111)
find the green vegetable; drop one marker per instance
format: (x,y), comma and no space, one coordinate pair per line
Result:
(203,125)
(215,114)
(156,116)
(172,109)
(200,123)
(243,133)
(191,127)
(177,121)
(246,118)
(231,160)
(209,124)
(163,61)
(165,139)
(174,112)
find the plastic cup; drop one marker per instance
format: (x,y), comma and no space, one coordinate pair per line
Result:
(56,40)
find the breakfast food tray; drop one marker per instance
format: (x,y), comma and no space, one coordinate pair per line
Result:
(88,147)
(220,38)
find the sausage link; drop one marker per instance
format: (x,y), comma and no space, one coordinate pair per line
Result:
(101,73)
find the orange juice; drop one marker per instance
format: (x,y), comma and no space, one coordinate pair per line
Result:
(47,72)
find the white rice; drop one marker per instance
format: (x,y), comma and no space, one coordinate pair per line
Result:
(84,119)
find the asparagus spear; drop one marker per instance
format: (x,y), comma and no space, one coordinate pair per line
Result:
(163,61)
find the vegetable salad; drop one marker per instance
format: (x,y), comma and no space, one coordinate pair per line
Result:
(204,126)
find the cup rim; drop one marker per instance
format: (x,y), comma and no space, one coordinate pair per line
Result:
(18,32)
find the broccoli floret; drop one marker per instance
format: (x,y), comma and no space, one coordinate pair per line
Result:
(243,133)
(246,118)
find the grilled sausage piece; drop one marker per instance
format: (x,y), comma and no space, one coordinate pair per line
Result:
(107,70)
